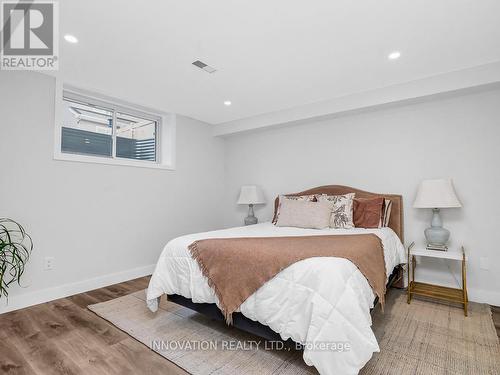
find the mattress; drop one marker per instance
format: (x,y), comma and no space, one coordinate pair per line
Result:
(323,303)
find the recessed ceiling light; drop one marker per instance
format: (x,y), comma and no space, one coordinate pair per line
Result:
(227,103)
(394,55)
(70,38)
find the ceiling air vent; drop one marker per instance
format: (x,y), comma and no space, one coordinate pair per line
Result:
(203,66)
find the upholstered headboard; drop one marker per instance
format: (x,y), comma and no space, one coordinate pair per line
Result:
(395,221)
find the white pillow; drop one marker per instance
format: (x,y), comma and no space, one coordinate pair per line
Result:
(308,198)
(341,211)
(304,214)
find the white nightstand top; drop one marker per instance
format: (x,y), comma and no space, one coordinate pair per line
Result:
(450,254)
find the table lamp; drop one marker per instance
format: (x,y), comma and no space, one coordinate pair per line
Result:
(436,194)
(251,194)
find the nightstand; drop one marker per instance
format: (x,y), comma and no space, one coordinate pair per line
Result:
(437,291)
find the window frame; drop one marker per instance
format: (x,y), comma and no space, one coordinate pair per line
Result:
(165,129)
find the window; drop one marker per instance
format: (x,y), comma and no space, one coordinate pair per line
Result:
(87,129)
(135,137)
(101,131)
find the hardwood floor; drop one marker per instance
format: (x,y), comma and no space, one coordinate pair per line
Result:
(495,310)
(63,337)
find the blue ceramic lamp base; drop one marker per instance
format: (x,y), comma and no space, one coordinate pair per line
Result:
(436,235)
(251,219)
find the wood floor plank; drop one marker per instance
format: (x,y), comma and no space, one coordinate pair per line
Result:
(118,290)
(44,357)
(495,311)
(83,300)
(47,321)
(89,322)
(17,324)
(101,295)
(90,354)
(138,284)
(137,355)
(11,361)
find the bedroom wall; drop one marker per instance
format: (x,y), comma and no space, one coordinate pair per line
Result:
(101,223)
(391,150)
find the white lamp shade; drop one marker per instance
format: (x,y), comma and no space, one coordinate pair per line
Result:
(436,194)
(251,194)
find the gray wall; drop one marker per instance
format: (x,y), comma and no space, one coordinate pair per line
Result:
(391,151)
(96,219)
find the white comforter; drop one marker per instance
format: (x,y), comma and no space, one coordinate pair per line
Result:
(314,301)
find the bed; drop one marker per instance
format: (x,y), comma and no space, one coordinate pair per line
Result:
(313,301)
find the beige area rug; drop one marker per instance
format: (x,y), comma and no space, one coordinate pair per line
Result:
(421,338)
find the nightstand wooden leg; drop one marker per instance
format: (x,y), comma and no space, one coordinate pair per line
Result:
(409,270)
(464,282)
(413,266)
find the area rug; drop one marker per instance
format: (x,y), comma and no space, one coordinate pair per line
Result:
(420,338)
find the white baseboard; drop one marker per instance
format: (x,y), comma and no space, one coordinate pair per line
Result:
(50,294)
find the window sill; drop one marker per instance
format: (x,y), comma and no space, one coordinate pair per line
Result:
(101,160)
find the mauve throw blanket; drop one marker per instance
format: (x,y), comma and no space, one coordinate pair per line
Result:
(237,267)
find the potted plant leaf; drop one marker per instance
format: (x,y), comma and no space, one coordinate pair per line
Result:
(15,249)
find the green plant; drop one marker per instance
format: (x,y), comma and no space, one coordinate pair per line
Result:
(15,249)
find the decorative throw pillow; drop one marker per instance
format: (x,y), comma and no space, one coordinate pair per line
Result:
(341,210)
(387,213)
(368,212)
(304,214)
(307,198)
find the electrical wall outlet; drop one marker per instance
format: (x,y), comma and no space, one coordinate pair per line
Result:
(484,263)
(49,264)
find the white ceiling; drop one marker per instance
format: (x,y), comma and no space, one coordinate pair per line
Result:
(269,55)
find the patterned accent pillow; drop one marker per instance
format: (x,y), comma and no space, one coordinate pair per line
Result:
(341,211)
(306,198)
(387,213)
